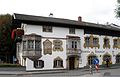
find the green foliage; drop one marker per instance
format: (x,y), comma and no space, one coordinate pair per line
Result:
(10,65)
(5,32)
(117,10)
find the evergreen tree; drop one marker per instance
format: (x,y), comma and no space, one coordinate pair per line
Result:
(117,10)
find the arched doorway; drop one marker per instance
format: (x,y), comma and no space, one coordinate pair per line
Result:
(73,62)
(106,57)
(118,58)
(90,58)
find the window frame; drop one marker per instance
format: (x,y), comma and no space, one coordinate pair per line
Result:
(74,44)
(106,43)
(87,41)
(72,31)
(37,45)
(30,45)
(58,63)
(91,41)
(115,42)
(38,64)
(47,28)
(95,42)
(24,45)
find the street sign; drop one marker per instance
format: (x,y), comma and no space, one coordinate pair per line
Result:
(95,61)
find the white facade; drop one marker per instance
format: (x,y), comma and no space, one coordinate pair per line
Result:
(61,33)
(99,52)
(58,32)
(71,50)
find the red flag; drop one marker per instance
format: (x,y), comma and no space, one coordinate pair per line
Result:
(13,34)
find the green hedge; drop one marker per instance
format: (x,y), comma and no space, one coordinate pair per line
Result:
(10,65)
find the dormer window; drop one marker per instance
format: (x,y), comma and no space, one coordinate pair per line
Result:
(47,28)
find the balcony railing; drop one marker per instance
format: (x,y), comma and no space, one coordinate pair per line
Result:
(33,55)
(73,51)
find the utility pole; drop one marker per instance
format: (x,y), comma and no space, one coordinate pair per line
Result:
(90,66)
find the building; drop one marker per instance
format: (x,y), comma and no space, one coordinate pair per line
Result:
(55,43)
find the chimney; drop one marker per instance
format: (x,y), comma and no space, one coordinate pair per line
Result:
(80,19)
(51,15)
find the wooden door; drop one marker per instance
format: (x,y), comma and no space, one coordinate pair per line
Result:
(72,63)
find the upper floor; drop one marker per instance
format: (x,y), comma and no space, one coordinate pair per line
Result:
(75,35)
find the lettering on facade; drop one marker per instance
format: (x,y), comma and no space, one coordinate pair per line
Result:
(99,51)
(85,51)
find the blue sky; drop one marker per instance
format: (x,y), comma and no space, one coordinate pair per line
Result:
(96,11)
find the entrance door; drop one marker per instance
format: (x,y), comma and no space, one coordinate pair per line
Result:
(71,63)
(117,58)
(105,57)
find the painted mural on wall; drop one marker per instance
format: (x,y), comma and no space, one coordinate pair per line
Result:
(47,47)
(57,45)
(91,41)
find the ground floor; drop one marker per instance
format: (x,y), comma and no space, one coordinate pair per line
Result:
(104,58)
(69,62)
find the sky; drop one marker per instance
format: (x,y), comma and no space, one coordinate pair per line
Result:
(95,11)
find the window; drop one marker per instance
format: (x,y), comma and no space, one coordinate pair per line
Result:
(95,42)
(106,43)
(38,64)
(58,62)
(37,45)
(47,28)
(87,41)
(91,41)
(116,43)
(24,45)
(30,44)
(57,45)
(74,44)
(72,30)
(117,58)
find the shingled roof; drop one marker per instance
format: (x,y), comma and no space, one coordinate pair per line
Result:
(24,17)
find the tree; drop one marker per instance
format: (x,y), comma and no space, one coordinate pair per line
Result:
(117,10)
(5,36)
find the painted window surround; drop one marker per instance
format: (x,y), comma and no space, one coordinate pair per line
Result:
(91,41)
(116,43)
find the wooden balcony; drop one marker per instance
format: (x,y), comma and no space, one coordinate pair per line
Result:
(33,55)
(73,51)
